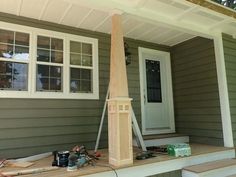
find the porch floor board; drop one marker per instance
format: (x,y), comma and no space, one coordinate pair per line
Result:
(198,150)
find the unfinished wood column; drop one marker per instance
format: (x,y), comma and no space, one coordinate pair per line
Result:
(119,104)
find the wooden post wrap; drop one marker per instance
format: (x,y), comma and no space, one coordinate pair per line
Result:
(119,104)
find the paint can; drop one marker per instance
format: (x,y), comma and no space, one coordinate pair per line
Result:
(62,158)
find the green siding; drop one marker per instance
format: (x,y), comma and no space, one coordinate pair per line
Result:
(31,126)
(229,44)
(195,88)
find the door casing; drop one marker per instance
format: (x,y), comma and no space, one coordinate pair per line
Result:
(165,56)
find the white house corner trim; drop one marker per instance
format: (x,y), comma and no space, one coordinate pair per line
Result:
(223,91)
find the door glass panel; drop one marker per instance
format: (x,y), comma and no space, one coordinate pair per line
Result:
(153,79)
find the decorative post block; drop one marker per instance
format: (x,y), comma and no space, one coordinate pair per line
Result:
(120,136)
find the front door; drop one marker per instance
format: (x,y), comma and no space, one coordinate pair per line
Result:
(156,92)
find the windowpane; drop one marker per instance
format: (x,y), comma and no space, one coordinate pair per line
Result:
(57,44)
(56,57)
(75,59)
(85,74)
(153,79)
(21,53)
(55,84)
(86,60)
(49,78)
(80,80)
(86,86)
(75,47)
(13,76)
(87,48)
(43,42)
(6,51)
(43,55)
(55,71)
(22,39)
(6,36)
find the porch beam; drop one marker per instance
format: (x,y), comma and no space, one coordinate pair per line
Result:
(119,103)
(223,91)
(151,17)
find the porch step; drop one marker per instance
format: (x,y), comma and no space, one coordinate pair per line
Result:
(163,139)
(220,168)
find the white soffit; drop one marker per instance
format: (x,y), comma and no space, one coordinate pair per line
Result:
(167,22)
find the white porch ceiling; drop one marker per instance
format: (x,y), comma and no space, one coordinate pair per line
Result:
(167,22)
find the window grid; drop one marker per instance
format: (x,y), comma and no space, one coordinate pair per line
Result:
(91,57)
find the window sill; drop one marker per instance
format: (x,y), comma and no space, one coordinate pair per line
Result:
(48,95)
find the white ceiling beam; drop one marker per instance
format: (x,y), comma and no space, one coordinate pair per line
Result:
(83,19)
(65,13)
(217,24)
(186,12)
(43,10)
(134,28)
(101,23)
(19,8)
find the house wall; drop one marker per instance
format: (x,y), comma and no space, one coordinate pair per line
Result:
(31,126)
(229,45)
(195,88)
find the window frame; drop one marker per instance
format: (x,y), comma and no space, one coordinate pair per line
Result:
(32,65)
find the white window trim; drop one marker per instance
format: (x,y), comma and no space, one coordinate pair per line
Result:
(65,94)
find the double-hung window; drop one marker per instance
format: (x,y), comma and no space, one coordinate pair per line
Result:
(14,60)
(47,64)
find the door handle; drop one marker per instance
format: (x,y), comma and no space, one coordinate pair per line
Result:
(144,97)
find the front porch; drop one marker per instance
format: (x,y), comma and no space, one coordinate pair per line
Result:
(153,166)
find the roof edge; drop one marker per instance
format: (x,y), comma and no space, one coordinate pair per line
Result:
(215,7)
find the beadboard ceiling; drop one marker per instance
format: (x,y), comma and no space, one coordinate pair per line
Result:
(167,22)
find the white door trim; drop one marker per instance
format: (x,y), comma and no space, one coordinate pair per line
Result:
(223,91)
(166,56)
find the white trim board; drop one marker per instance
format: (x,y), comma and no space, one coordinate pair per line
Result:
(223,91)
(167,166)
(165,56)
(164,141)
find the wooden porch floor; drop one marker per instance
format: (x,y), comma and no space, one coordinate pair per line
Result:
(160,164)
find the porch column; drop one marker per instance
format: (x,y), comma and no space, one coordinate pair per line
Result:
(119,103)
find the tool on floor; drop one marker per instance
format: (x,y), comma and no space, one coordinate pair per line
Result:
(79,158)
(136,130)
(60,159)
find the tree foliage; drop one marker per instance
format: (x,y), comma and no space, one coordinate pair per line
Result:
(228,3)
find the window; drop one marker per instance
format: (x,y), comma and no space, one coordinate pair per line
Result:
(80,67)
(14,57)
(37,63)
(49,64)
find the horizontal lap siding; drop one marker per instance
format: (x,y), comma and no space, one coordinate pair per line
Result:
(195,88)
(31,126)
(230,64)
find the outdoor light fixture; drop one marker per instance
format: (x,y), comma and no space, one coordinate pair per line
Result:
(127,54)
